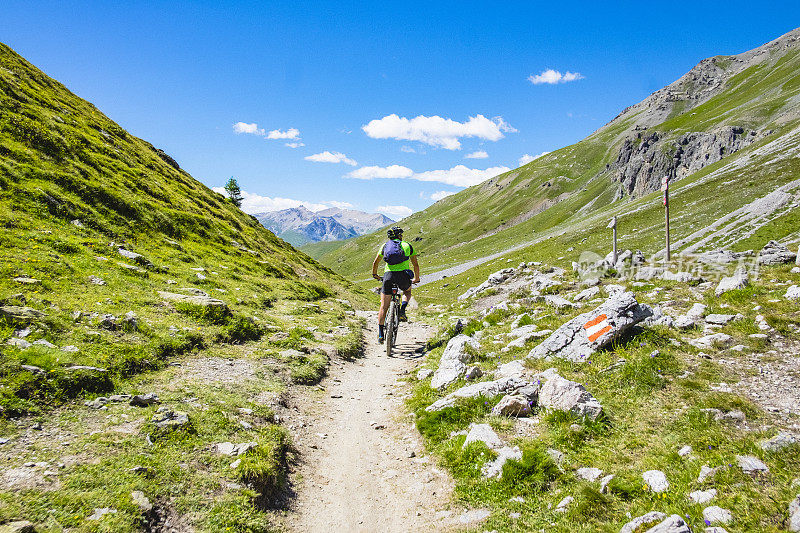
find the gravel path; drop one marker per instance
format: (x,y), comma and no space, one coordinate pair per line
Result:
(357,472)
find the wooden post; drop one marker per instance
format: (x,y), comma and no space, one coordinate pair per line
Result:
(665,188)
(613,226)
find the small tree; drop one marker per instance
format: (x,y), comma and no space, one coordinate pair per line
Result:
(234,192)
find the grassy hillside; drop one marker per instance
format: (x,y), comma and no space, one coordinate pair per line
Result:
(574,190)
(97,226)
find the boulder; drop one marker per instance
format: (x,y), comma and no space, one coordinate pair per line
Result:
(22,344)
(639,521)
(565,395)
(588,332)
(774,253)
(793,293)
(204,301)
(19,315)
(586,294)
(45,343)
(716,514)
(656,480)
(500,276)
(697,310)
(485,434)
(671,524)
(751,464)
(720,320)
(778,442)
(167,420)
(487,389)
(522,331)
(144,400)
(702,496)
(494,469)
(709,341)
(684,322)
(720,257)
(740,280)
(558,302)
(18,526)
(794,514)
(452,364)
(515,405)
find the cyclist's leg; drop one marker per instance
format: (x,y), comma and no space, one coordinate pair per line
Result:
(385,299)
(406,288)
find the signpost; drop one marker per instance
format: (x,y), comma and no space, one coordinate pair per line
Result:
(665,189)
(613,226)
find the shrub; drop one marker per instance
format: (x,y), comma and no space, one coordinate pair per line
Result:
(241,329)
(533,473)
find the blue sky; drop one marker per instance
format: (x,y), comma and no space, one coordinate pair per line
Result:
(457,76)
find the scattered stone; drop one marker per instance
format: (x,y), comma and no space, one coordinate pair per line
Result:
(473,373)
(485,434)
(476,515)
(588,332)
(119,397)
(139,259)
(565,395)
(144,400)
(22,344)
(720,320)
(424,373)
(229,448)
(96,281)
(619,364)
(20,315)
(558,302)
(141,501)
(707,472)
(716,529)
(205,301)
(604,481)
(494,469)
(514,405)
(109,322)
(169,420)
(717,514)
(586,294)
(793,292)
(740,280)
(562,505)
(708,341)
(131,321)
(774,253)
(555,455)
(684,322)
(686,450)
(27,281)
(45,343)
(97,403)
(656,480)
(794,514)
(488,389)
(751,464)
(18,526)
(702,496)
(100,513)
(452,364)
(681,277)
(639,521)
(70,349)
(672,524)
(589,473)
(778,442)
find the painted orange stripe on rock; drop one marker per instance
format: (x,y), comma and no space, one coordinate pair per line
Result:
(598,334)
(595,321)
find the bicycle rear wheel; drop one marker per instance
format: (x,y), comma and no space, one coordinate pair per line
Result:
(389,327)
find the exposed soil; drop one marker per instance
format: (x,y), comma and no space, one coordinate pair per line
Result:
(356,445)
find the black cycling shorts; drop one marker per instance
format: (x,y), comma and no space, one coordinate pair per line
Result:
(401,278)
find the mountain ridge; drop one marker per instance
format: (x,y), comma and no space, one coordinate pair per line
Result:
(299,225)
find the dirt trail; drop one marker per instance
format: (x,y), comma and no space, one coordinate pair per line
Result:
(357,472)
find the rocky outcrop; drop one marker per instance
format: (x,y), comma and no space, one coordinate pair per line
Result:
(774,253)
(646,157)
(587,333)
(452,364)
(565,395)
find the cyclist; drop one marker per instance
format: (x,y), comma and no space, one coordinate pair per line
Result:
(397,254)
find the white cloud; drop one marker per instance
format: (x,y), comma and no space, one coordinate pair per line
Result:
(341,205)
(394,211)
(552,77)
(525,159)
(435,130)
(331,157)
(252,129)
(390,172)
(255,203)
(441,194)
(295,145)
(291,133)
(480,154)
(460,176)
(407,149)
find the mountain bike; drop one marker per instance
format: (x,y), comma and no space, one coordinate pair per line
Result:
(392,322)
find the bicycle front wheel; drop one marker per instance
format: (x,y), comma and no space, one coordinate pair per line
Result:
(389,328)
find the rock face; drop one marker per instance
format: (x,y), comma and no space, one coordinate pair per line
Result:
(774,253)
(586,333)
(452,364)
(565,395)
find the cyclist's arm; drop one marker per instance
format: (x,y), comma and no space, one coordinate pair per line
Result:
(415,264)
(375,267)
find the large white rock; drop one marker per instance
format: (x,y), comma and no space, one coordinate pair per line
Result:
(698,310)
(512,405)
(485,434)
(702,496)
(452,364)
(639,521)
(751,464)
(488,389)
(586,294)
(565,395)
(588,473)
(792,293)
(778,442)
(671,524)
(740,280)
(656,480)
(716,514)
(558,302)
(572,341)
(775,253)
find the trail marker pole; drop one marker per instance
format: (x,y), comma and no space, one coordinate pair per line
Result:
(613,226)
(665,188)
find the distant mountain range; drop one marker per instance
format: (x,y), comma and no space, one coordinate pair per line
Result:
(299,226)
